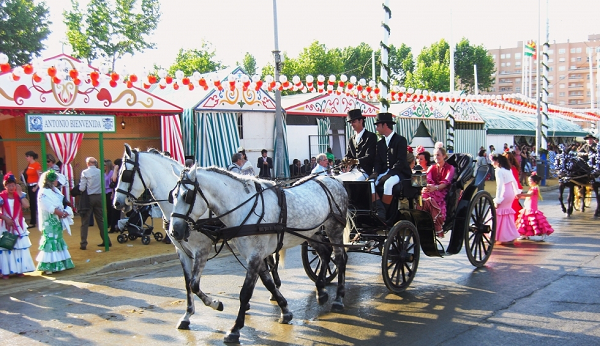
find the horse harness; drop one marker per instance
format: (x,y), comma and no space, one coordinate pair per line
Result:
(216,233)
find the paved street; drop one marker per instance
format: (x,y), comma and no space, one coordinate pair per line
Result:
(543,293)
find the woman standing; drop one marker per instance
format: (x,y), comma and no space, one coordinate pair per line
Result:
(54,255)
(111,213)
(514,168)
(12,201)
(32,174)
(439,177)
(506,190)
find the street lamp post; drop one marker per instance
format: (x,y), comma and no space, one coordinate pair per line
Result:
(278,159)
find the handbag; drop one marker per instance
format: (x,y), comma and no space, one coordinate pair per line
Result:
(8,240)
(112,184)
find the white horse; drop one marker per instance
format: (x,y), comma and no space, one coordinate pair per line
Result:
(241,200)
(153,171)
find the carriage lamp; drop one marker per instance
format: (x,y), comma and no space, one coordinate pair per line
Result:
(123,123)
(418,178)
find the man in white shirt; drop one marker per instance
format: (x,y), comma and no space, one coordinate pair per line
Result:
(236,163)
(322,165)
(90,181)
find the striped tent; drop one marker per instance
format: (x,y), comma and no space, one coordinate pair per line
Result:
(170,134)
(188,130)
(323,133)
(412,114)
(217,138)
(65,145)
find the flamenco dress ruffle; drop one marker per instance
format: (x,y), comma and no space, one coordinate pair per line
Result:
(505,229)
(533,223)
(17,260)
(53,256)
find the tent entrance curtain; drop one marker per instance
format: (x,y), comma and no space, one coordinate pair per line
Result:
(188,130)
(408,128)
(323,126)
(170,135)
(65,145)
(217,138)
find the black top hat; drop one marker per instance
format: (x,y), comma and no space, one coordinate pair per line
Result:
(589,137)
(384,118)
(354,114)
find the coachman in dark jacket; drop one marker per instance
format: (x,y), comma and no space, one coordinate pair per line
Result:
(362,145)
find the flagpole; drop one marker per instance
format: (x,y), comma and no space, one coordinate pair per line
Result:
(523,71)
(538,130)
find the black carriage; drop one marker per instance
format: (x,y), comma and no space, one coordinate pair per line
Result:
(470,220)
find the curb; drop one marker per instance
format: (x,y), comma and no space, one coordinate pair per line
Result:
(134,263)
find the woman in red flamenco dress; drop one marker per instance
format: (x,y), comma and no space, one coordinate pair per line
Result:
(532,222)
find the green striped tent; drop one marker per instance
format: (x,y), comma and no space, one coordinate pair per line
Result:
(218,138)
(323,132)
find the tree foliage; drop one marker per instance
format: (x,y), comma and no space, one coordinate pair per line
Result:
(192,60)
(110,30)
(248,64)
(23,27)
(465,57)
(432,71)
(401,62)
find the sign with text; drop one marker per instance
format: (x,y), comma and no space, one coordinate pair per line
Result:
(59,123)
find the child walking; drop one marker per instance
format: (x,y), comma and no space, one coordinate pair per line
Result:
(532,222)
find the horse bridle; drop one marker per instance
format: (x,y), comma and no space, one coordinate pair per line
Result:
(128,176)
(189,196)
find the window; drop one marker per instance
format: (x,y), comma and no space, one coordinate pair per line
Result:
(573,59)
(550,60)
(502,56)
(518,80)
(572,102)
(561,86)
(518,89)
(561,59)
(561,103)
(562,51)
(561,68)
(579,58)
(550,51)
(503,64)
(550,77)
(573,67)
(240,124)
(508,55)
(561,77)
(576,50)
(517,55)
(517,63)
(550,69)
(551,95)
(550,86)
(561,94)
(589,93)
(507,64)
(517,71)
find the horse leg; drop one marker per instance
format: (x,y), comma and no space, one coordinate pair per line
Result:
(184,322)
(582,192)
(596,187)
(199,263)
(341,257)
(561,189)
(272,266)
(324,253)
(269,283)
(254,266)
(571,199)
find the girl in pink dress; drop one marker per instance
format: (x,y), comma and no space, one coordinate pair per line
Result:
(506,191)
(439,177)
(531,221)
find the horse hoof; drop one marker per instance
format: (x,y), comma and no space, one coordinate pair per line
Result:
(272,298)
(247,307)
(337,307)
(322,298)
(184,325)
(219,307)
(286,318)
(232,338)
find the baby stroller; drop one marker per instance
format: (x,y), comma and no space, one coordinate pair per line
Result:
(136,226)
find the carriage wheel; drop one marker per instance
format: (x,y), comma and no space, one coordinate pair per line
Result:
(145,240)
(121,239)
(480,229)
(587,199)
(132,237)
(312,263)
(158,236)
(400,257)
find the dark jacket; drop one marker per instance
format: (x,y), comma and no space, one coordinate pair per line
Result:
(392,157)
(264,170)
(365,151)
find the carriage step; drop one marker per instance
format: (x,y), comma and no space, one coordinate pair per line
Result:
(367,245)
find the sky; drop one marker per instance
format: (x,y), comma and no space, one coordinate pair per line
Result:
(235,27)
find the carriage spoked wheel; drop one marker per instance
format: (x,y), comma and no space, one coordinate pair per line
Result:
(132,237)
(400,257)
(312,263)
(158,236)
(480,229)
(145,240)
(587,199)
(121,238)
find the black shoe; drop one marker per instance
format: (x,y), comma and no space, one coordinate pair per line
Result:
(30,226)
(82,247)
(102,245)
(380,211)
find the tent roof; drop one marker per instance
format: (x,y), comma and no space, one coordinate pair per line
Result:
(324,104)
(499,121)
(224,99)
(26,95)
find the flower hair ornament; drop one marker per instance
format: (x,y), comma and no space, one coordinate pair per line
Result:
(533,173)
(9,178)
(51,176)
(439,145)
(409,149)
(420,149)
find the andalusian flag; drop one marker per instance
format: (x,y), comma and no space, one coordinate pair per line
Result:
(530,49)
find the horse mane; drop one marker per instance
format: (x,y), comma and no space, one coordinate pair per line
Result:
(304,180)
(244,179)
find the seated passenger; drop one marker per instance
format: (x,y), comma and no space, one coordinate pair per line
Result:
(439,177)
(424,157)
(236,163)
(322,165)
(391,165)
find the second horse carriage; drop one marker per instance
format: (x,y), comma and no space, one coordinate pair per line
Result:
(470,220)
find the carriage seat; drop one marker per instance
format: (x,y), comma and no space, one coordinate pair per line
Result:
(463,172)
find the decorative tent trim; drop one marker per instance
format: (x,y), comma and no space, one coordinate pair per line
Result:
(328,105)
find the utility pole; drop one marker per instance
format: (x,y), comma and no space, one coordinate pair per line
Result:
(279,147)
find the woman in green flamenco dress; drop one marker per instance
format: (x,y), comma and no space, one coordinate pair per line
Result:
(54,217)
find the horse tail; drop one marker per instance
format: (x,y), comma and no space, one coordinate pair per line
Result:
(349,227)
(282,258)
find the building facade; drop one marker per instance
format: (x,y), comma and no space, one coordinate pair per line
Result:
(570,82)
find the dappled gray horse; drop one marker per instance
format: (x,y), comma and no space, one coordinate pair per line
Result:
(260,219)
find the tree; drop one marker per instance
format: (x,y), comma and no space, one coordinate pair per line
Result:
(23,27)
(401,62)
(465,57)
(358,61)
(109,32)
(248,64)
(192,60)
(433,68)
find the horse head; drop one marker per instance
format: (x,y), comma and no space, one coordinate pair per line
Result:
(128,187)
(188,201)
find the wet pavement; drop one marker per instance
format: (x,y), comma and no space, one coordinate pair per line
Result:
(530,292)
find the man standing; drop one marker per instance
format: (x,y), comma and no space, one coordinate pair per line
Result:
(491,168)
(391,165)
(90,181)
(363,144)
(264,165)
